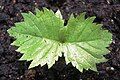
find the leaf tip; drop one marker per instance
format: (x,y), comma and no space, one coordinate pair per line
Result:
(58,14)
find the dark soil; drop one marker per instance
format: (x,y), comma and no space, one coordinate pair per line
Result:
(106,11)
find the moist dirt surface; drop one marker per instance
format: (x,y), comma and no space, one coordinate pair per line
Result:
(107,13)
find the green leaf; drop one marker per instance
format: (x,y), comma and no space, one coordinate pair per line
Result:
(43,37)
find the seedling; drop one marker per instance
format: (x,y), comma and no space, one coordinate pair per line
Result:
(43,37)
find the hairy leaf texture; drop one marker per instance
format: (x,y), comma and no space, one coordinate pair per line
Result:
(42,38)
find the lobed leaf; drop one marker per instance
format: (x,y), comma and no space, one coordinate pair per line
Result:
(43,37)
